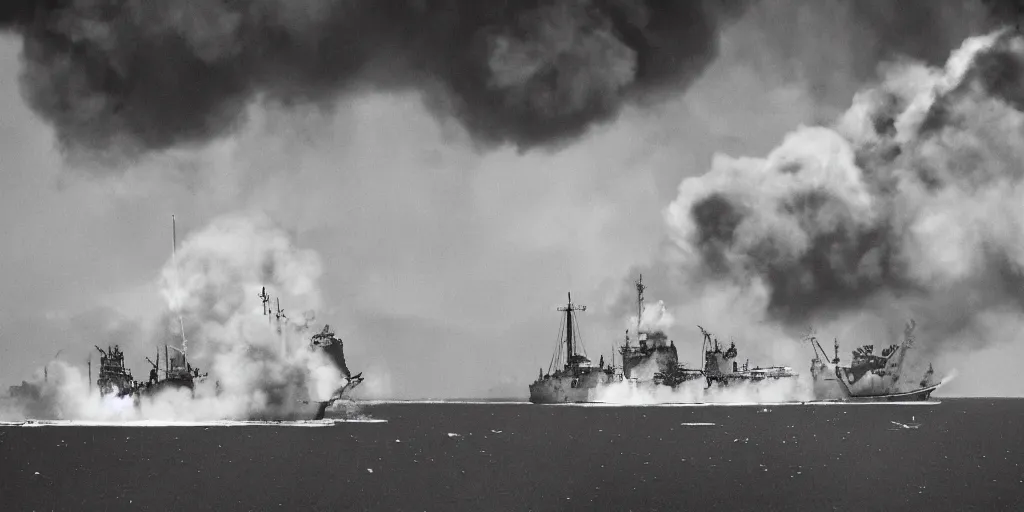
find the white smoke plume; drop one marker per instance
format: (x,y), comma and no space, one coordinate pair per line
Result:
(695,391)
(221,269)
(656,317)
(910,206)
(254,371)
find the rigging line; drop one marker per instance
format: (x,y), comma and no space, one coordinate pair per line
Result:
(562,343)
(704,345)
(579,335)
(556,356)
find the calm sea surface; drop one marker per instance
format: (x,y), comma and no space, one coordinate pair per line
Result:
(967,454)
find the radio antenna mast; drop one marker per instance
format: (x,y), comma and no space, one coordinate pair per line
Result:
(639,303)
(177,284)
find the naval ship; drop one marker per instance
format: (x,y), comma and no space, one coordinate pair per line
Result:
(334,348)
(114,378)
(870,377)
(574,378)
(326,341)
(178,373)
(722,368)
(651,364)
(656,363)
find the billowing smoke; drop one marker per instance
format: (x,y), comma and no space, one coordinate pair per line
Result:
(834,46)
(911,205)
(220,272)
(655,317)
(695,392)
(67,394)
(255,371)
(123,77)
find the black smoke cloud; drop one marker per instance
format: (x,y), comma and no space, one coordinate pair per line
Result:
(834,47)
(910,205)
(124,77)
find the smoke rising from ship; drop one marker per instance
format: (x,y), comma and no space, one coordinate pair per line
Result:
(909,205)
(655,317)
(220,269)
(120,78)
(254,370)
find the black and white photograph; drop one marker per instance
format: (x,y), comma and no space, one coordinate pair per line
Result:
(511,255)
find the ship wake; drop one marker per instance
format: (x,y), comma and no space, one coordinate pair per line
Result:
(697,392)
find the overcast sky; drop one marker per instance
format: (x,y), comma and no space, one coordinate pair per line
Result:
(443,262)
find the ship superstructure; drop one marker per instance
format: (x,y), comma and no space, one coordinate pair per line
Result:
(114,378)
(334,348)
(178,373)
(654,359)
(572,378)
(722,366)
(325,341)
(649,365)
(871,376)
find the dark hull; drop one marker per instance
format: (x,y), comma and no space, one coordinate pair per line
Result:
(836,384)
(917,395)
(560,389)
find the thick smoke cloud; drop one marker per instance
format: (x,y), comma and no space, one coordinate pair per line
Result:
(119,78)
(833,47)
(255,371)
(910,205)
(220,271)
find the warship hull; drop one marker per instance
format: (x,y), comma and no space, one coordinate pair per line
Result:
(917,395)
(870,376)
(568,389)
(827,387)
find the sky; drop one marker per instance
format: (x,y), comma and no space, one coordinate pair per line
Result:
(443,259)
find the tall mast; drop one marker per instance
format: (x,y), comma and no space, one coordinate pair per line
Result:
(280,331)
(177,284)
(639,302)
(570,348)
(265,298)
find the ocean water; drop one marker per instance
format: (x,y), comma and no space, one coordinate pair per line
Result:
(964,454)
